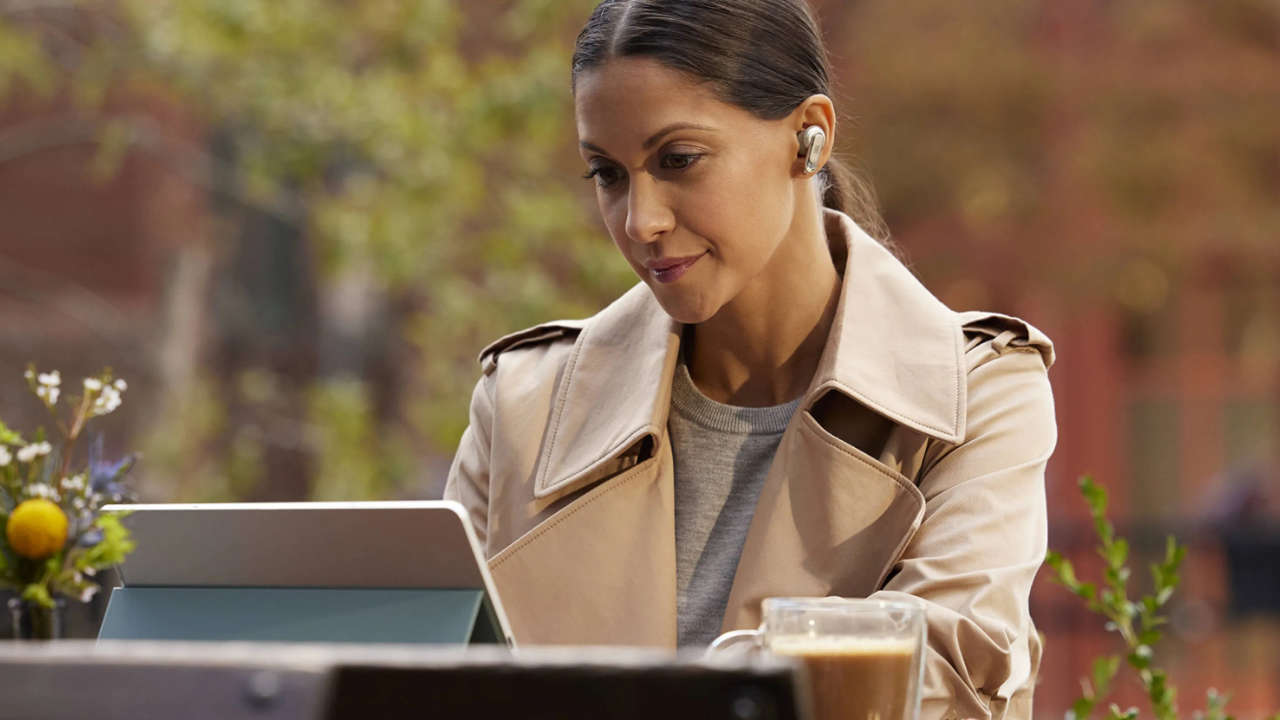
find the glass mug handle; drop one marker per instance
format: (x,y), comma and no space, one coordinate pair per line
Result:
(738,637)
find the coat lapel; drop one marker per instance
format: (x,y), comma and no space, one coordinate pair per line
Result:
(832,519)
(893,346)
(614,396)
(600,569)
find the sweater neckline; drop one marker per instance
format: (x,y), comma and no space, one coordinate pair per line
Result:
(689,401)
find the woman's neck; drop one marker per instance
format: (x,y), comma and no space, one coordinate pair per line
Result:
(763,347)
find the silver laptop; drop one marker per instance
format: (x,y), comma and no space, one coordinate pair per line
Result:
(404,544)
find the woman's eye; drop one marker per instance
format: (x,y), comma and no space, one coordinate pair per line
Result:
(679,161)
(604,175)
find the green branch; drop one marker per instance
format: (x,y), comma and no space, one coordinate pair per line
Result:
(1137,622)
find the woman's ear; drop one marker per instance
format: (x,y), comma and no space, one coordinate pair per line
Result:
(818,112)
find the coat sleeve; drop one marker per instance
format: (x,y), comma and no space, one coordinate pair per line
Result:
(468,481)
(982,539)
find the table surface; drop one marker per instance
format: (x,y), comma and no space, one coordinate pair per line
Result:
(284,681)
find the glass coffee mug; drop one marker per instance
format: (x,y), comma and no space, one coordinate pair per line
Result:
(864,658)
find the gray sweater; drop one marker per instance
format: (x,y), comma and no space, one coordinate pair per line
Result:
(722,454)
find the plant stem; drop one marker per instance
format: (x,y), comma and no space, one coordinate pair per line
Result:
(71,435)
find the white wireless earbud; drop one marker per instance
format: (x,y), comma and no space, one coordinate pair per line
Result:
(812,140)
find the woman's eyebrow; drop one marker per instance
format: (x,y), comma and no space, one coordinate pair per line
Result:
(593,148)
(654,138)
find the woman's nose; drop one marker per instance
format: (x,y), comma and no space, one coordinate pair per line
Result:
(648,215)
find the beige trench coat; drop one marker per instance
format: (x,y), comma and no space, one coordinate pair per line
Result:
(913,466)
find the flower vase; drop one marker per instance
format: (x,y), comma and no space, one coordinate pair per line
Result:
(33,621)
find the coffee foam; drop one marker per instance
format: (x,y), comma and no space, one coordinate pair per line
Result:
(840,645)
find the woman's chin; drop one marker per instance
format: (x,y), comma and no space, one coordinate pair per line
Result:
(682,310)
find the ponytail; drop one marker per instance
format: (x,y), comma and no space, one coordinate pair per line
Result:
(844,190)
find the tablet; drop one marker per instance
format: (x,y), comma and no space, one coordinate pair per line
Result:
(383,548)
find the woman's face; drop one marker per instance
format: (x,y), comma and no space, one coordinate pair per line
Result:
(696,193)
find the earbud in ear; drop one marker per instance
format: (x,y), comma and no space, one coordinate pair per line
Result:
(812,140)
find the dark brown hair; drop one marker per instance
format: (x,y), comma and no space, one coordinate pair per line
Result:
(764,56)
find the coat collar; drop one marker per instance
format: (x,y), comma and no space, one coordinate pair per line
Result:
(893,347)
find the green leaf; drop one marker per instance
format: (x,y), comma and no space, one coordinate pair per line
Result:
(37,593)
(113,547)
(1162,695)
(1081,709)
(1106,533)
(1062,569)
(1117,553)
(9,437)
(1104,671)
(1149,636)
(1094,494)
(1088,591)
(1173,552)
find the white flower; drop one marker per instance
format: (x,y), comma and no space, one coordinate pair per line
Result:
(29,453)
(41,490)
(52,379)
(29,374)
(92,384)
(74,483)
(121,385)
(48,393)
(34,450)
(5,456)
(107,402)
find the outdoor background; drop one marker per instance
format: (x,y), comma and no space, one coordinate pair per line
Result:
(292,224)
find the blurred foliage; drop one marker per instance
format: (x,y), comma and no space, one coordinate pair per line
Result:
(354,462)
(425,148)
(426,141)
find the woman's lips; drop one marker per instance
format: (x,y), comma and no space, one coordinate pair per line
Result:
(669,270)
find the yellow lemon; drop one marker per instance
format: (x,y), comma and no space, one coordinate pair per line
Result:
(37,529)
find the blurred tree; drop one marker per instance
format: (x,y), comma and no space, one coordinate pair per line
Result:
(415,155)
(420,148)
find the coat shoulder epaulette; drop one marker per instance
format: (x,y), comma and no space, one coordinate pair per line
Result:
(1004,333)
(545,332)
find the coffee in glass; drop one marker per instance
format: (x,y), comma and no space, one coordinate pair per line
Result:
(863,658)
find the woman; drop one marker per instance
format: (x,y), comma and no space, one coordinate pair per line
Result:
(779,408)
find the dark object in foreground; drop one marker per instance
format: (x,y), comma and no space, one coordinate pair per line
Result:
(340,682)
